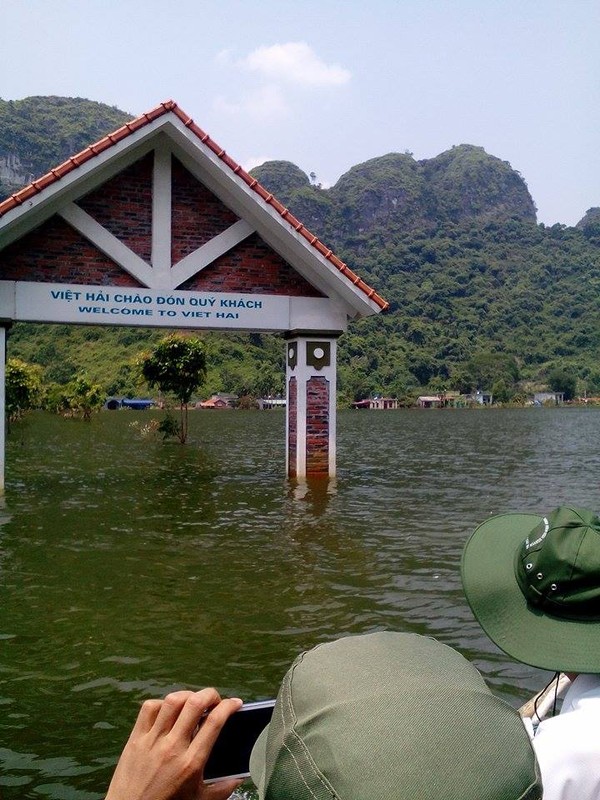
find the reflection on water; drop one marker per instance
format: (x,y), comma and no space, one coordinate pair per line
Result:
(129,567)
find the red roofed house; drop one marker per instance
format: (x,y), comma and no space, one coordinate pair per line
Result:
(155,225)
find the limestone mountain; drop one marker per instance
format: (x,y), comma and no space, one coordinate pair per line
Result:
(396,192)
(465,183)
(590,223)
(39,133)
(393,191)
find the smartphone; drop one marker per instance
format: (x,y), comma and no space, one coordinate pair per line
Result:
(230,757)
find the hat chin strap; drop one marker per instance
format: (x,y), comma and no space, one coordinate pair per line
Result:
(541,703)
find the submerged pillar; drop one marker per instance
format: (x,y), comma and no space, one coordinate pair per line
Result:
(3,330)
(311,405)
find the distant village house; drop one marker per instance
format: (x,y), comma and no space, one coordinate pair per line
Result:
(442,400)
(219,401)
(266,403)
(135,403)
(548,398)
(377,403)
(481,398)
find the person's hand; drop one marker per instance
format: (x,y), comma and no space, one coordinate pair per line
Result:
(169,745)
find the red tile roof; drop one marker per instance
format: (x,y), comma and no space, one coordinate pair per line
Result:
(170,106)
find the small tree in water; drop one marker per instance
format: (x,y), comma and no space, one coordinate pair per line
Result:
(83,397)
(23,387)
(176,365)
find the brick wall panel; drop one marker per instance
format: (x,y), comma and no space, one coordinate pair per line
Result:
(56,253)
(197,215)
(251,267)
(123,205)
(317,426)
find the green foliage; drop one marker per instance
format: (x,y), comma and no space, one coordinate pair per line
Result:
(169,426)
(394,194)
(177,365)
(63,351)
(501,391)
(57,399)
(563,380)
(79,397)
(45,131)
(383,192)
(466,182)
(286,176)
(125,382)
(85,396)
(485,370)
(23,387)
(238,363)
(523,291)
(311,205)
(590,225)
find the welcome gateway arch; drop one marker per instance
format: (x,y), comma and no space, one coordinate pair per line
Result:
(156,226)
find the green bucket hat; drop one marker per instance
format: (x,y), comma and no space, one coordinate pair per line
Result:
(391,715)
(533,584)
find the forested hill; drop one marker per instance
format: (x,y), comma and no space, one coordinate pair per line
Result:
(396,194)
(480,293)
(39,133)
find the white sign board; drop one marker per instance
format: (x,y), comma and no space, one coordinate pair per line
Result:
(114,305)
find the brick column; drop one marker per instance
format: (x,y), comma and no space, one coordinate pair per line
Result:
(311,405)
(3,329)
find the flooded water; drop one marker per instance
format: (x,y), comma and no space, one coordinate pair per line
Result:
(129,566)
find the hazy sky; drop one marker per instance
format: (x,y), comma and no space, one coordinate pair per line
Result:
(329,84)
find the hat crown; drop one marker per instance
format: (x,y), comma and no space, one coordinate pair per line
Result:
(557,567)
(386,715)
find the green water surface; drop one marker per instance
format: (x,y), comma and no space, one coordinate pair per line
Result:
(130,567)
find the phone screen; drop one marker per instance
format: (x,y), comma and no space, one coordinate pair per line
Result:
(230,757)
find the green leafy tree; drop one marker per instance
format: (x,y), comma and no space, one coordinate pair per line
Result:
(83,397)
(269,381)
(57,399)
(461,379)
(23,387)
(563,380)
(500,391)
(177,366)
(591,382)
(438,385)
(486,369)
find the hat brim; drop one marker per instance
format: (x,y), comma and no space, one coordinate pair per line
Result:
(521,631)
(258,760)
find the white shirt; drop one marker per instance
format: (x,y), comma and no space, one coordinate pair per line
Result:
(568,746)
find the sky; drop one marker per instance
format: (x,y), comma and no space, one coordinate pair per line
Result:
(329,84)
